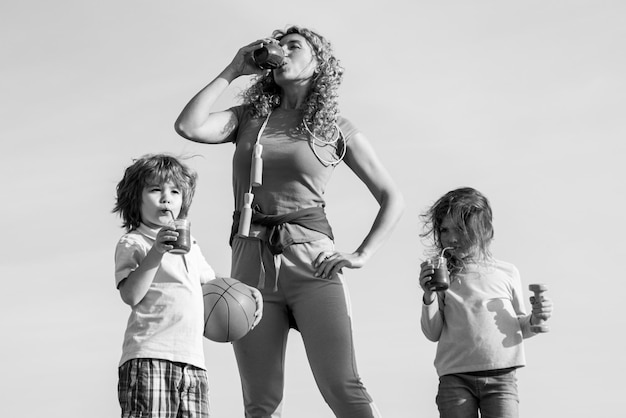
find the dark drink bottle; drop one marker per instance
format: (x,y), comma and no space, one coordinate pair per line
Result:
(269,56)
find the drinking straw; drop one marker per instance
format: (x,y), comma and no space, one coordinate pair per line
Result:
(439,260)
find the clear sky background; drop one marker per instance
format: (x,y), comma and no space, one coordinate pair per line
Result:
(523,100)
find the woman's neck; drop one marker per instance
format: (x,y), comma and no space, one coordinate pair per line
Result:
(294,96)
(291,103)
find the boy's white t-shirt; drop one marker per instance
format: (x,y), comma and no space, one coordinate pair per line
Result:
(168,323)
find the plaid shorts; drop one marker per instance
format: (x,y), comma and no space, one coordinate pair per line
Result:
(162,389)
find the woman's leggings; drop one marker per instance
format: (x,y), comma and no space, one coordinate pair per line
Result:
(319,309)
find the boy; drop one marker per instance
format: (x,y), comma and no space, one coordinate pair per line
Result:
(162,371)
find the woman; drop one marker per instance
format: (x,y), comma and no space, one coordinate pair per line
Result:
(290,121)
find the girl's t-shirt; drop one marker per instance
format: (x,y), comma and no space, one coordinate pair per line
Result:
(480,321)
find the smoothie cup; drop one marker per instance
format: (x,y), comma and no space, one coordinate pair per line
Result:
(440,280)
(182,245)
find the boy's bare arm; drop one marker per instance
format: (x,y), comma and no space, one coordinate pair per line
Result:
(136,285)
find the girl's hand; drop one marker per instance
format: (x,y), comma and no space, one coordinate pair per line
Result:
(258,298)
(426,271)
(541,309)
(166,235)
(329,263)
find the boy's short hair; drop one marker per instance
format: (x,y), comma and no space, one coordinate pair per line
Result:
(469,211)
(159,168)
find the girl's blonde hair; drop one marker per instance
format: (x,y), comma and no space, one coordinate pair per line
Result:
(321,109)
(152,168)
(470,212)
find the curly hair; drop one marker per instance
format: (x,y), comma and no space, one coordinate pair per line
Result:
(152,168)
(321,107)
(471,214)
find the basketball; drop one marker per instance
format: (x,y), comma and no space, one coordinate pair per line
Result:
(229,308)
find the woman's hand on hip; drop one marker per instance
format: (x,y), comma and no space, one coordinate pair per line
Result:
(329,263)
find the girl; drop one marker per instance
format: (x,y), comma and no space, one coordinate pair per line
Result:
(290,119)
(480,321)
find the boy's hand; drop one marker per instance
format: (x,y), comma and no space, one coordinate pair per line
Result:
(426,272)
(541,309)
(164,238)
(258,298)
